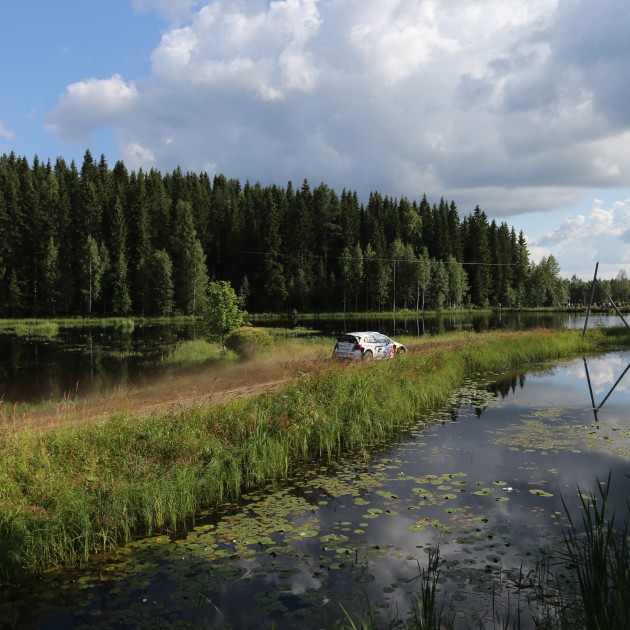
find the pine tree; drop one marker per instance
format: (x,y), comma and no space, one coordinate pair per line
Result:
(371,268)
(438,286)
(273,278)
(121,298)
(197,284)
(351,275)
(621,287)
(404,273)
(16,294)
(190,263)
(51,278)
(411,224)
(92,268)
(477,257)
(140,248)
(457,282)
(423,279)
(161,296)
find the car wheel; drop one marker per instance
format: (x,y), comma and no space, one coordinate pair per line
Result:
(367,355)
(402,350)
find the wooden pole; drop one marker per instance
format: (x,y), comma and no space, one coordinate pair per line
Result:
(613,303)
(590,389)
(612,389)
(588,310)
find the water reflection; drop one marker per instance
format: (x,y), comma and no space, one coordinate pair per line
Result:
(62,363)
(82,361)
(596,408)
(487,488)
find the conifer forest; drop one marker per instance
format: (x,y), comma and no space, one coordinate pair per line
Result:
(102,241)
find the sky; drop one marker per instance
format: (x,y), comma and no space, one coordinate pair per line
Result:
(519,106)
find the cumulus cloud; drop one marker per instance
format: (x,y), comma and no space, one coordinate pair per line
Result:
(581,241)
(515,106)
(90,105)
(603,374)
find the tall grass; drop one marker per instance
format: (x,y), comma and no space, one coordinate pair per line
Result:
(42,328)
(600,556)
(73,491)
(194,351)
(124,323)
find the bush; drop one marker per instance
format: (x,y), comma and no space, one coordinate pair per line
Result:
(248,341)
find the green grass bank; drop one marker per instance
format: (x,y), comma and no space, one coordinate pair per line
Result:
(73,491)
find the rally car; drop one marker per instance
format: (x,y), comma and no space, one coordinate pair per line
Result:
(366,346)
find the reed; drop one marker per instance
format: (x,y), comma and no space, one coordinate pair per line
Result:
(76,490)
(49,327)
(43,329)
(599,553)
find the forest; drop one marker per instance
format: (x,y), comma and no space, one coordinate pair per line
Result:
(102,241)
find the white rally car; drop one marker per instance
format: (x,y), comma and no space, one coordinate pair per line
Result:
(366,346)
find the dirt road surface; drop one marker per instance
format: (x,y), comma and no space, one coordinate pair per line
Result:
(206,385)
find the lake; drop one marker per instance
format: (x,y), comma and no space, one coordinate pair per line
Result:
(80,362)
(483,482)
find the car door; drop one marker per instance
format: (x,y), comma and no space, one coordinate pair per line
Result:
(379,345)
(386,346)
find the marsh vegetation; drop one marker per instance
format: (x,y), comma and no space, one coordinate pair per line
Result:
(75,491)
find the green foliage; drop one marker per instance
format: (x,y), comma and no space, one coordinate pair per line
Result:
(248,341)
(600,552)
(93,264)
(51,277)
(544,286)
(162,295)
(69,492)
(190,263)
(82,241)
(223,310)
(191,352)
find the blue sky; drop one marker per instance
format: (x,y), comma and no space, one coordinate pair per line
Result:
(520,107)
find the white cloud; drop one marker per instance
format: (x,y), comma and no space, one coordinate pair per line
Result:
(92,104)
(6,133)
(135,156)
(480,101)
(603,375)
(581,241)
(242,53)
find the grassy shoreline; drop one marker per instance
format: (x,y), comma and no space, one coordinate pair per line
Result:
(74,491)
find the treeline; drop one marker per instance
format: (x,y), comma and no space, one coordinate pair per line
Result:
(105,241)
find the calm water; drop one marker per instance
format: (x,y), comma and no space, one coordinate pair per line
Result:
(83,361)
(484,483)
(93,361)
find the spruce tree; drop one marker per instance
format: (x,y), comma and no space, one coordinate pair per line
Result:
(162,291)
(51,279)
(121,297)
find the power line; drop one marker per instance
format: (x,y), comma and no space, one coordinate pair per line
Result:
(391,260)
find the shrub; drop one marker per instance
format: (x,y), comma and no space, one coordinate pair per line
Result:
(248,341)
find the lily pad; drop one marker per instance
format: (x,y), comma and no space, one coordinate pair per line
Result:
(541,493)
